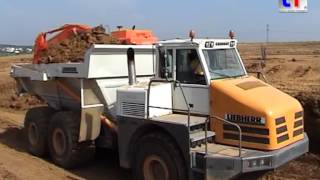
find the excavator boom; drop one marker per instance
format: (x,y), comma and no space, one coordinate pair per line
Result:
(65,32)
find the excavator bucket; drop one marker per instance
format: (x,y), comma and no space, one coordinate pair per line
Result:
(40,45)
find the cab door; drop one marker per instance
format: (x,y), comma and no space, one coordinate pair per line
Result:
(190,72)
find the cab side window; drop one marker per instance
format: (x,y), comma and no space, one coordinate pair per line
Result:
(189,68)
(166,63)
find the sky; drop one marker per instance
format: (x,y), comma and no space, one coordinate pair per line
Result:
(22,20)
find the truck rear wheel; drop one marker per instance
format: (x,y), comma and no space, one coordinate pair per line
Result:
(158,158)
(36,127)
(64,148)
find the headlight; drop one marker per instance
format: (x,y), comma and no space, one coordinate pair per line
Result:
(259,162)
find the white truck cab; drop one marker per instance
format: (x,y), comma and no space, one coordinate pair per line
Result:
(212,58)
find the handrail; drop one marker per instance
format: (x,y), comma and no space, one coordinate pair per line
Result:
(187,105)
(168,81)
(166,108)
(206,133)
(237,126)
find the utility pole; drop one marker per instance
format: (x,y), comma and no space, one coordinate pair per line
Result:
(267,33)
(264,48)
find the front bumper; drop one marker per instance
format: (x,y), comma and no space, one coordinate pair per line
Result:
(225,167)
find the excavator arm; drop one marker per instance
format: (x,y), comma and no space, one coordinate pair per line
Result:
(64,32)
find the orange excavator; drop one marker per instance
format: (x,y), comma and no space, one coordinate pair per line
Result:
(134,36)
(66,31)
(124,36)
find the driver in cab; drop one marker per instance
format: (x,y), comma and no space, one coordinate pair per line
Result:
(195,64)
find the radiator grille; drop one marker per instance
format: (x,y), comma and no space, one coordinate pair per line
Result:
(298,124)
(133,109)
(280,120)
(297,132)
(250,130)
(246,138)
(282,138)
(298,115)
(282,129)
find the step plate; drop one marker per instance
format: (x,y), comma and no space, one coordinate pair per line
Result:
(181,119)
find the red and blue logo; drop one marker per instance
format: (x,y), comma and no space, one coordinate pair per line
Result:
(293,5)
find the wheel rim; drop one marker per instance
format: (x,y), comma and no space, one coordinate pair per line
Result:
(33,133)
(59,141)
(154,168)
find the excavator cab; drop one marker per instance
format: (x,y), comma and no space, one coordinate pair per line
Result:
(134,36)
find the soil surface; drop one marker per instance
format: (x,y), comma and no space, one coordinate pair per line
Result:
(291,67)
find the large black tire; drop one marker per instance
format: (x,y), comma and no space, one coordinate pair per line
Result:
(36,128)
(157,157)
(64,148)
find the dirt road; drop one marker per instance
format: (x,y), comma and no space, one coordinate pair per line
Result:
(16,163)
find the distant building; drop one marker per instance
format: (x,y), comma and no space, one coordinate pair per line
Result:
(28,50)
(10,49)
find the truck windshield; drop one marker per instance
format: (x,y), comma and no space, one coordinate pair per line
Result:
(223,63)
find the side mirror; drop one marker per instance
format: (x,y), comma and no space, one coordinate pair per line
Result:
(165,63)
(165,71)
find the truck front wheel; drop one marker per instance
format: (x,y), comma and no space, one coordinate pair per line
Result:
(64,148)
(157,157)
(36,127)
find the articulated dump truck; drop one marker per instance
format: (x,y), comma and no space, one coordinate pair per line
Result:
(178,109)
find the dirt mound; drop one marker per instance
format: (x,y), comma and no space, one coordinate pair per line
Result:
(4,174)
(255,67)
(10,100)
(311,105)
(274,69)
(301,71)
(306,167)
(73,49)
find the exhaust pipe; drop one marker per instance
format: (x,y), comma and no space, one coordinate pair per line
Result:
(131,67)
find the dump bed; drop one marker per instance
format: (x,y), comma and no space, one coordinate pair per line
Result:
(87,85)
(101,61)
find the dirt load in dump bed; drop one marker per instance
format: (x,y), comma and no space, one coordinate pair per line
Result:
(73,49)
